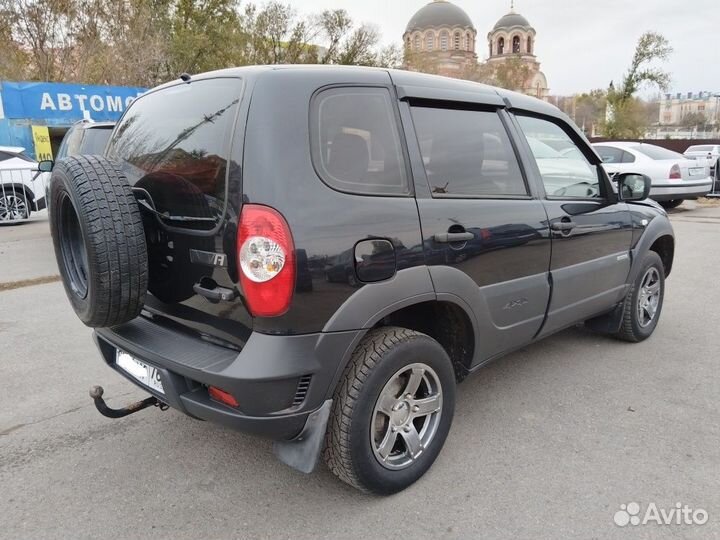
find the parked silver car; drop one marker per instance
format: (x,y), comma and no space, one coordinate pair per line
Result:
(674,176)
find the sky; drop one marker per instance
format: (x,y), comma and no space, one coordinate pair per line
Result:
(581,44)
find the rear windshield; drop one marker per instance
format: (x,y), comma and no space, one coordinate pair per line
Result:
(174,144)
(657,152)
(95,140)
(701,148)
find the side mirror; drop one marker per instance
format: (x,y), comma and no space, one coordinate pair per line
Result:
(46,165)
(632,186)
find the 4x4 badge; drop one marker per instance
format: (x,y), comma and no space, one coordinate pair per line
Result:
(208,258)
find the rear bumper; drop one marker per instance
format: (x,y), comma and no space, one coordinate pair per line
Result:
(278,381)
(681,190)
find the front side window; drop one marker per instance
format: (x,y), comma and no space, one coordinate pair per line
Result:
(564,169)
(355,141)
(174,143)
(467,153)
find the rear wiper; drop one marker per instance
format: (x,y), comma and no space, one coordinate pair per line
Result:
(149,205)
(170,217)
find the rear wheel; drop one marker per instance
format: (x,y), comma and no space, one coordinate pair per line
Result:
(668,205)
(392,411)
(643,302)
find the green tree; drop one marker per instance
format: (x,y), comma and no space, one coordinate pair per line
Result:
(353,45)
(694,120)
(13,60)
(624,117)
(204,35)
(590,109)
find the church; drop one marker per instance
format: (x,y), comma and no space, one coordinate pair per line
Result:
(441,38)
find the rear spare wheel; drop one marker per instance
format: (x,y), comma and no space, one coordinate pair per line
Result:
(99,240)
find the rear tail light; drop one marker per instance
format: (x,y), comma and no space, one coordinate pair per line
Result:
(675,173)
(266,260)
(222,396)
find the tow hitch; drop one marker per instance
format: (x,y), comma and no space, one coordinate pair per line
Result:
(96,393)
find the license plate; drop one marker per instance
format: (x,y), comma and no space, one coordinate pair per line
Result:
(147,375)
(697,171)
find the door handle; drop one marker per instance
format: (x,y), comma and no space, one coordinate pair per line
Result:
(450,238)
(216,294)
(563,226)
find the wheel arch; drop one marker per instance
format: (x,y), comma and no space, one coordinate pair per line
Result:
(408,300)
(658,237)
(19,186)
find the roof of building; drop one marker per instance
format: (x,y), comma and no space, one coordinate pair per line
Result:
(439,13)
(511,19)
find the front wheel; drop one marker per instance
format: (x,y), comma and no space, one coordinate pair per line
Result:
(14,205)
(392,411)
(643,302)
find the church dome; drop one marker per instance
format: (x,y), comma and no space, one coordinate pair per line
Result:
(439,13)
(510,20)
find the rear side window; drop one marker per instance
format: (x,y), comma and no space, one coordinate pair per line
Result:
(355,141)
(610,154)
(467,153)
(174,143)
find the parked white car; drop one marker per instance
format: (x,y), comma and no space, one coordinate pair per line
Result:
(709,153)
(22,188)
(674,176)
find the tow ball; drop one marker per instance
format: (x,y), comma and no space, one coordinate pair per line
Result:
(96,393)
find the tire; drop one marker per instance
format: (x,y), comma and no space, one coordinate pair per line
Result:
(669,205)
(99,240)
(15,205)
(381,366)
(635,329)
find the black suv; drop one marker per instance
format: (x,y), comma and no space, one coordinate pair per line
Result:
(318,254)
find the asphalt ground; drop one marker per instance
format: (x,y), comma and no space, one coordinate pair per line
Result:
(547,442)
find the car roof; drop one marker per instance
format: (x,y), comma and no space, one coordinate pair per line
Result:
(89,124)
(482,93)
(622,144)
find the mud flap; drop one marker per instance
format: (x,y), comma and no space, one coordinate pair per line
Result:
(303,452)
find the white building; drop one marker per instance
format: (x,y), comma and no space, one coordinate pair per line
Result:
(675,107)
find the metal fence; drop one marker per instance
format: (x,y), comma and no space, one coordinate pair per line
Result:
(22,192)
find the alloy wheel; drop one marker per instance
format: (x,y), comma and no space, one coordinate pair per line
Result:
(649,297)
(12,207)
(406,416)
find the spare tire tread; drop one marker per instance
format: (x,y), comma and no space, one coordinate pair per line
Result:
(114,239)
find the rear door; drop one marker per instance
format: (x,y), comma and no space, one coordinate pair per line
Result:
(591,230)
(481,223)
(175,146)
